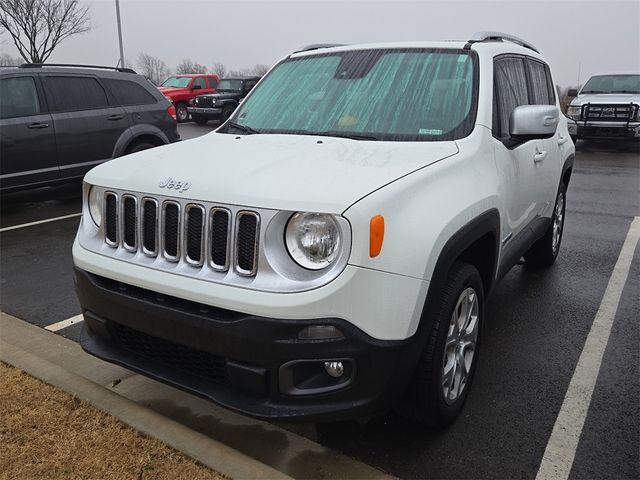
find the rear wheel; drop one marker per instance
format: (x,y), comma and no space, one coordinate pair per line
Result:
(182,114)
(138,147)
(446,368)
(545,251)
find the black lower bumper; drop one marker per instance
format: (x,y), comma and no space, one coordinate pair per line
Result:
(606,132)
(255,365)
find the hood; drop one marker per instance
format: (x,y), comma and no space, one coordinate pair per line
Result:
(285,172)
(606,98)
(221,95)
(170,90)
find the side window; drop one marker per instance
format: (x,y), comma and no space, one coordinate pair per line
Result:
(127,92)
(540,94)
(213,82)
(250,84)
(552,88)
(509,92)
(18,97)
(68,94)
(199,81)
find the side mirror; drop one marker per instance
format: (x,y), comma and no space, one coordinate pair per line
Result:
(572,92)
(196,87)
(529,122)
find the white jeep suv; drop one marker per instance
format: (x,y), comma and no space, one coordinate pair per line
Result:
(327,252)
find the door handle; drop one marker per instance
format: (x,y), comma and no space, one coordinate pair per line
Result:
(115,117)
(539,156)
(562,140)
(38,125)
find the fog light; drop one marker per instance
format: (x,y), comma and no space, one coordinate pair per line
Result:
(335,369)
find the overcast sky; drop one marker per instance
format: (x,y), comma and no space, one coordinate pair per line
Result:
(590,36)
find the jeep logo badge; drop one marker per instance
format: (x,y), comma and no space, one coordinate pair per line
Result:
(179,185)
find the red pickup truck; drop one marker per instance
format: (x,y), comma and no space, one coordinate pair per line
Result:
(182,88)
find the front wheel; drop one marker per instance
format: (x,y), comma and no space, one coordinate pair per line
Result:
(226,112)
(446,368)
(182,114)
(545,251)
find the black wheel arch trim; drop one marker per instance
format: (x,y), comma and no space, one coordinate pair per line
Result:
(567,169)
(133,133)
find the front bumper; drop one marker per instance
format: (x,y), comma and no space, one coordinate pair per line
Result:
(205,112)
(252,364)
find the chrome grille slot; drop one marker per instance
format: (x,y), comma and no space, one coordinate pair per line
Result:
(220,235)
(111,219)
(171,235)
(247,229)
(149,215)
(129,223)
(194,234)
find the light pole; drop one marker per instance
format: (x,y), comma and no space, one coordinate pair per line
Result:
(120,34)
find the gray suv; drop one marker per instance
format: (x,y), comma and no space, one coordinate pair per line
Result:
(59,121)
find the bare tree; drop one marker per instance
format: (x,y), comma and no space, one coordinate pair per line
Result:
(220,68)
(189,66)
(152,67)
(7,60)
(259,69)
(38,26)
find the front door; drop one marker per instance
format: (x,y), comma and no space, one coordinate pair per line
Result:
(27,140)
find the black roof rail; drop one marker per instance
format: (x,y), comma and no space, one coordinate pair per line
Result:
(40,65)
(490,36)
(318,46)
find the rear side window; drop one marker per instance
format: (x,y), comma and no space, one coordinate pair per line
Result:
(213,82)
(68,94)
(509,92)
(127,92)
(541,90)
(18,97)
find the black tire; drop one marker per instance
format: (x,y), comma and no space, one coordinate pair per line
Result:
(426,401)
(182,114)
(199,120)
(138,147)
(545,251)
(227,111)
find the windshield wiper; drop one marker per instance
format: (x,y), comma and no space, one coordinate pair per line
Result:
(244,128)
(625,91)
(338,133)
(593,91)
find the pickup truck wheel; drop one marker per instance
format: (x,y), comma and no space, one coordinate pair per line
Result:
(182,114)
(545,251)
(199,120)
(445,370)
(226,112)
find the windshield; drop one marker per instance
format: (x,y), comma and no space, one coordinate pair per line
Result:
(400,95)
(613,84)
(178,82)
(230,85)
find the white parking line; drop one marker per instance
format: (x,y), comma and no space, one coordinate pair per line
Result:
(6,229)
(561,449)
(54,327)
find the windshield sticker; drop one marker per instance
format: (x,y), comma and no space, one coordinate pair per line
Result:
(429,131)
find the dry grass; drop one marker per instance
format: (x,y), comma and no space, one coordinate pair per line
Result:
(46,433)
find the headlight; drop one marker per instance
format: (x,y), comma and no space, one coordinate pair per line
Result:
(313,239)
(574,112)
(95,205)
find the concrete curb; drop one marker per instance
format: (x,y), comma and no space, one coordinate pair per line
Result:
(207,451)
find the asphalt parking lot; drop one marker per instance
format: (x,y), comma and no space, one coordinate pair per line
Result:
(537,324)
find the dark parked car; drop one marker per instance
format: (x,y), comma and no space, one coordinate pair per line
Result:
(57,122)
(220,105)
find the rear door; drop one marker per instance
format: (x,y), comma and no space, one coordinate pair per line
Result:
(27,141)
(140,106)
(87,123)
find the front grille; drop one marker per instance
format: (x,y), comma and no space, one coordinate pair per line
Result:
(170,354)
(610,112)
(204,102)
(198,235)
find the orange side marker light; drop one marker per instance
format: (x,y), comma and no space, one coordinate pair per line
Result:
(376,235)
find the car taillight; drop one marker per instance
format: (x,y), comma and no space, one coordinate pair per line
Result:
(172,112)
